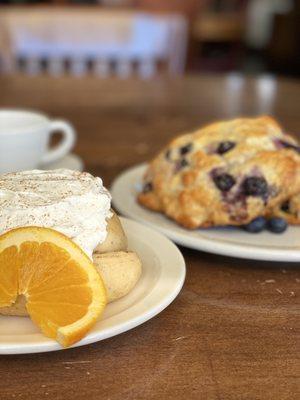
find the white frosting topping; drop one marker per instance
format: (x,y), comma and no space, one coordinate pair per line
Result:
(71,202)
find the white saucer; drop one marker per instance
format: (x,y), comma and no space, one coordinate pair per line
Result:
(162,278)
(70,161)
(226,241)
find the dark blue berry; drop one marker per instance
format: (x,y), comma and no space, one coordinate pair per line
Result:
(256,226)
(168,154)
(277,225)
(255,186)
(185,149)
(224,182)
(285,207)
(288,145)
(147,187)
(225,146)
(183,163)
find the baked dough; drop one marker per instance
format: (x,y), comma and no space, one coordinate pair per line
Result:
(227,173)
(289,210)
(120,272)
(119,269)
(116,239)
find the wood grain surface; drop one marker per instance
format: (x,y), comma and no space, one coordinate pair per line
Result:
(233,332)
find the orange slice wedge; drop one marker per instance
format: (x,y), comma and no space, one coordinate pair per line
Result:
(65,294)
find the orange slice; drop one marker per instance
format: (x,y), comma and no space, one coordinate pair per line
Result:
(65,294)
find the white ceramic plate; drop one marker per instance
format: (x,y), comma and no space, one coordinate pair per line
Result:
(226,241)
(70,161)
(162,278)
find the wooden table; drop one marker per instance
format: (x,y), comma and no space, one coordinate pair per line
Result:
(233,332)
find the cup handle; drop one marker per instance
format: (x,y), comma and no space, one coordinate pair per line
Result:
(64,146)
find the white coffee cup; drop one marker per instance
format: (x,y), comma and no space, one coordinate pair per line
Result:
(24,140)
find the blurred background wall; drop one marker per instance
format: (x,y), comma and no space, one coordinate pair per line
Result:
(150,36)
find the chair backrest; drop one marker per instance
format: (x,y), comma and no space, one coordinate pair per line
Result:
(80,41)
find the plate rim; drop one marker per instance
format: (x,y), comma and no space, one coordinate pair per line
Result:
(250,252)
(44,344)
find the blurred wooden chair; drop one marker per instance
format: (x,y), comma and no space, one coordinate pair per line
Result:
(283,50)
(90,40)
(221,22)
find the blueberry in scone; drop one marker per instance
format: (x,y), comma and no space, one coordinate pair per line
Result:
(224,182)
(225,146)
(257,225)
(255,186)
(277,225)
(147,187)
(186,149)
(227,173)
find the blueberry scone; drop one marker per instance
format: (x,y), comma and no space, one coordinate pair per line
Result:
(227,173)
(290,208)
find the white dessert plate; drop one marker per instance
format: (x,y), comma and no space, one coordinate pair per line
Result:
(70,161)
(162,278)
(232,242)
